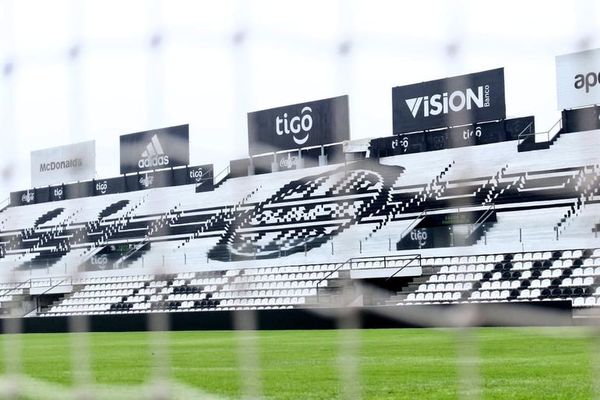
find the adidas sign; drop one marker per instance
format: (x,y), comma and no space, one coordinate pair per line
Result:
(153,156)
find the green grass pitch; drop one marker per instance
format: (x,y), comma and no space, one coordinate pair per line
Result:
(523,363)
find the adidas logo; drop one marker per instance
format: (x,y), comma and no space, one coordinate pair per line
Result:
(153,156)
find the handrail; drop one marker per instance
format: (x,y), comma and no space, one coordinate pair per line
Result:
(410,227)
(358,259)
(131,251)
(47,290)
(483,217)
(550,133)
(4,204)
(482,220)
(328,275)
(19,286)
(527,128)
(225,171)
(417,257)
(169,215)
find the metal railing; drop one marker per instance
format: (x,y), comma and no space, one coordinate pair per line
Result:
(480,223)
(413,223)
(539,137)
(355,260)
(4,203)
(222,175)
(416,257)
(51,286)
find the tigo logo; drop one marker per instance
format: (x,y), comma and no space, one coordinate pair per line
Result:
(196,174)
(443,103)
(153,156)
(100,260)
(295,125)
(102,187)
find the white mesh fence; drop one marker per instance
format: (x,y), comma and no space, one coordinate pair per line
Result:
(16,383)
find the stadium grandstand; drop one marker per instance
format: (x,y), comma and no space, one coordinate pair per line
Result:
(455,255)
(515,228)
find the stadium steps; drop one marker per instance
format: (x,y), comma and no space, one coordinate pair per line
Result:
(529,143)
(337,292)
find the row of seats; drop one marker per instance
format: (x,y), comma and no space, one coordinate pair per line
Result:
(291,269)
(256,302)
(284,277)
(113,279)
(114,286)
(102,293)
(90,300)
(495,258)
(273,285)
(266,293)
(445,287)
(565,274)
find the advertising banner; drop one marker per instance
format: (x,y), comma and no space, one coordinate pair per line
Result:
(22,198)
(155,149)
(460,100)
(578,79)
(299,125)
(62,164)
(581,119)
(109,186)
(57,193)
(199,173)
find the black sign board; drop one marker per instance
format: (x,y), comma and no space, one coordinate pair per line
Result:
(57,193)
(200,173)
(581,119)
(22,198)
(42,195)
(439,139)
(398,144)
(516,126)
(470,135)
(460,100)
(77,190)
(299,125)
(180,176)
(155,149)
(109,186)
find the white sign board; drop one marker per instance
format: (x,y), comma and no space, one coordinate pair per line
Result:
(62,164)
(578,79)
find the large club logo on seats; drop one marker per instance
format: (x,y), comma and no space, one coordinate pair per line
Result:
(299,125)
(306,213)
(156,149)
